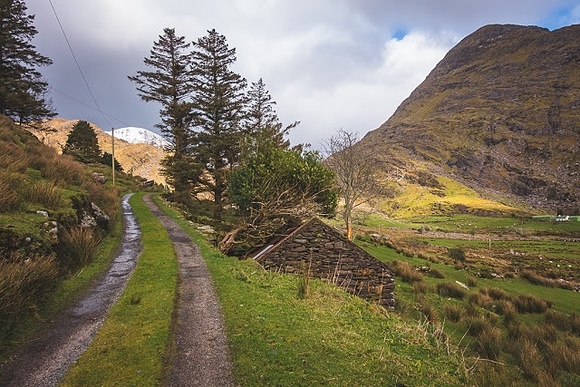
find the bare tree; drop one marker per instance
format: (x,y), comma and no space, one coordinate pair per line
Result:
(355,171)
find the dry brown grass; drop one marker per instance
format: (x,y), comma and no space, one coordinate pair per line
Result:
(406,272)
(23,285)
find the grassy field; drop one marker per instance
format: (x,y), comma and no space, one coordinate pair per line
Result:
(279,337)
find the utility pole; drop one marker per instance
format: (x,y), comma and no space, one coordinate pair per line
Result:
(113,153)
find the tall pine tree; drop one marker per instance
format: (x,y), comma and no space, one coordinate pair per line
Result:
(218,102)
(169,84)
(22,90)
(263,128)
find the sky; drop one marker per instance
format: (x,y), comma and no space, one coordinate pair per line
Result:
(330,64)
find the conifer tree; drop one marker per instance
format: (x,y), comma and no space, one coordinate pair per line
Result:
(22,90)
(263,128)
(82,143)
(218,103)
(169,84)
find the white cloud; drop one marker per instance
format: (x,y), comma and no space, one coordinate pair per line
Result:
(328,63)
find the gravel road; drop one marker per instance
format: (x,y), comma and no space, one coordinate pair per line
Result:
(44,361)
(200,356)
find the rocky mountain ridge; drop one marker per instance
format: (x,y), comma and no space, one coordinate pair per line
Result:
(500,114)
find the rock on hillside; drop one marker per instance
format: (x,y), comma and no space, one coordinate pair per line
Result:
(138,159)
(500,113)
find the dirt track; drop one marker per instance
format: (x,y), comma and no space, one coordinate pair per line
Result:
(44,361)
(200,356)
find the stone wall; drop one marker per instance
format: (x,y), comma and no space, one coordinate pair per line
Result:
(329,255)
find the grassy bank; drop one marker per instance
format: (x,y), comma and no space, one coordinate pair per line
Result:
(139,322)
(279,337)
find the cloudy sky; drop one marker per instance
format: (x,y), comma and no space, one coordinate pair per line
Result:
(328,63)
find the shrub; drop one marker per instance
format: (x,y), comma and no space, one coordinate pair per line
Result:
(23,284)
(507,309)
(530,304)
(563,356)
(430,312)
(471,282)
(454,312)
(46,194)
(406,272)
(530,359)
(63,170)
(9,197)
(477,324)
(420,287)
(536,279)
(451,289)
(480,299)
(77,247)
(488,342)
(436,273)
(457,254)
(497,294)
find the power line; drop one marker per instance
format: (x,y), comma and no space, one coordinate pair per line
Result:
(88,106)
(98,108)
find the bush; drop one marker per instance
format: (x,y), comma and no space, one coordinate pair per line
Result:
(23,284)
(488,342)
(530,304)
(436,273)
(497,294)
(507,309)
(77,247)
(536,279)
(457,254)
(471,282)
(9,198)
(451,289)
(406,272)
(420,287)
(430,312)
(454,312)
(46,194)
(477,324)
(530,360)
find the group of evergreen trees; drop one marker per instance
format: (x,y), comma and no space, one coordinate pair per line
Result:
(217,125)
(22,89)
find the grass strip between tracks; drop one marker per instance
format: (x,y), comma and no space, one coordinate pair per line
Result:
(130,346)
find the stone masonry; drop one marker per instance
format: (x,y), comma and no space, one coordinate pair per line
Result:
(329,255)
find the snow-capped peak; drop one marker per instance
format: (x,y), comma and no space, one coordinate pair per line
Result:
(140,136)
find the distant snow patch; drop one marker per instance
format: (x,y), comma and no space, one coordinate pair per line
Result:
(135,135)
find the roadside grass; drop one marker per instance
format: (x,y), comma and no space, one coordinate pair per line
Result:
(66,293)
(139,322)
(279,336)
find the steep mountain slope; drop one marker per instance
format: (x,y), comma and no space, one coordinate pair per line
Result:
(139,159)
(499,114)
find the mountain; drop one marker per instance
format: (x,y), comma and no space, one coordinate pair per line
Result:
(135,135)
(140,159)
(498,118)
